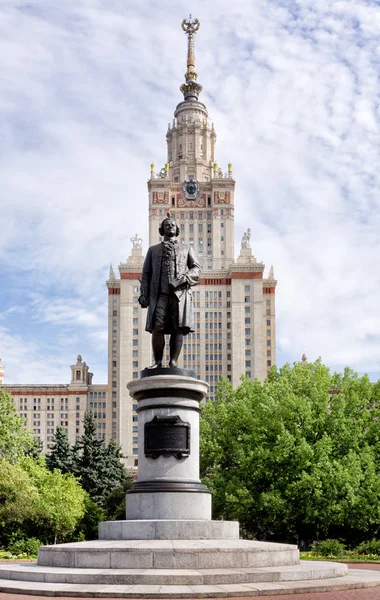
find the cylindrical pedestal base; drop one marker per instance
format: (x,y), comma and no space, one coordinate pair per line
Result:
(168,486)
(168,505)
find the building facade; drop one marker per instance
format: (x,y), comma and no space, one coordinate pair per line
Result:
(45,407)
(234,305)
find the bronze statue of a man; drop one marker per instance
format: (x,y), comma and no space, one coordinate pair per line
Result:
(170,270)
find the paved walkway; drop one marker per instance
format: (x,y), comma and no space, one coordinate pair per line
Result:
(365,594)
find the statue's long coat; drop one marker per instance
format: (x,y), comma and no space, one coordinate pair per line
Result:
(185,262)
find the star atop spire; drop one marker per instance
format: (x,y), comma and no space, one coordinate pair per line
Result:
(191,89)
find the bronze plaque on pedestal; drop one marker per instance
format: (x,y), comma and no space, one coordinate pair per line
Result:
(167,436)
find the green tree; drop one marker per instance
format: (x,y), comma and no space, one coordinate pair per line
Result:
(61,502)
(18,499)
(62,455)
(90,460)
(15,441)
(295,457)
(98,466)
(115,474)
(37,502)
(116,501)
(87,528)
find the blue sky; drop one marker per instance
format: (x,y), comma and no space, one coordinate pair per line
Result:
(86,92)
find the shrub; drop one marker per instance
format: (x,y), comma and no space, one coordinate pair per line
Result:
(329,548)
(27,546)
(372,547)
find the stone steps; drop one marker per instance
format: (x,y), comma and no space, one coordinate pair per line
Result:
(303,571)
(356,579)
(168,554)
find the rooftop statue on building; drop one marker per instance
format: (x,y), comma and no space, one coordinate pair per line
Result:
(136,242)
(170,270)
(246,239)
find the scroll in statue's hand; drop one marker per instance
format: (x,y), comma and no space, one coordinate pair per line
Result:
(179,282)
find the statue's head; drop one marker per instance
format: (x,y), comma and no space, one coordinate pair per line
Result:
(169,219)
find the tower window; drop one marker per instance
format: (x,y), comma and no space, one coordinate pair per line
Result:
(173,201)
(78,376)
(209,201)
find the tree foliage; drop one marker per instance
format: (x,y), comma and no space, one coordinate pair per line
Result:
(35,501)
(296,457)
(62,456)
(15,441)
(99,466)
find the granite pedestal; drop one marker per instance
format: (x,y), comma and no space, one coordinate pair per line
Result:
(168,486)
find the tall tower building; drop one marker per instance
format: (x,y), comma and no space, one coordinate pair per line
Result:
(234,304)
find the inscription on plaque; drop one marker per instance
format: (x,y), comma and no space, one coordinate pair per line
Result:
(167,436)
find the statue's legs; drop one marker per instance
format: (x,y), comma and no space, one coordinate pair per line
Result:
(176,341)
(166,319)
(158,345)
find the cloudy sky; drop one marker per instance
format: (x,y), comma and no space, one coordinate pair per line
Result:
(86,92)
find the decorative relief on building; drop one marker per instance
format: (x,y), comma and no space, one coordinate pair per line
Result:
(160,198)
(191,188)
(183,202)
(222,197)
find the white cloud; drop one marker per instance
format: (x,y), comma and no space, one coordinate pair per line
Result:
(86,92)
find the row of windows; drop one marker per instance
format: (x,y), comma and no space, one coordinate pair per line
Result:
(213,346)
(190,215)
(215,378)
(200,227)
(216,336)
(216,325)
(215,356)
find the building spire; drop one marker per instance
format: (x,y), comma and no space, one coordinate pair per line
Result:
(112,274)
(191,89)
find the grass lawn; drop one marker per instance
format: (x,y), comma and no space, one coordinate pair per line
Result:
(349,556)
